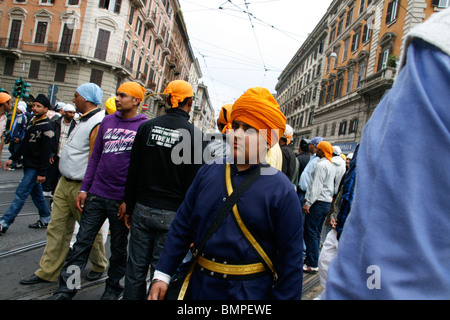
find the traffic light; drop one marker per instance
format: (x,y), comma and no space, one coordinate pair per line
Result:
(17,87)
(25,90)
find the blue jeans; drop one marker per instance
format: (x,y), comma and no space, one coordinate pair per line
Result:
(148,233)
(314,221)
(96,210)
(301,198)
(26,187)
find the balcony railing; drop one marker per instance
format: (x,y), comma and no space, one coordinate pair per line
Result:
(11,44)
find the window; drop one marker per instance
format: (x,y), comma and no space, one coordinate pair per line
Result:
(383,59)
(66,38)
(361,6)
(131,16)
(353,126)
(333,129)
(41,32)
(73,2)
(355,41)
(367,32)
(343,127)
(60,73)
(349,81)
(102,44)
(138,26)
(344,54)
(14,35)
(124,52)
(96,77)
(111,5)
(440,3)
(330,92)
(34,69)
(47,1)
(338,90)
(349,17)
(9,66)
(392,11)
(361,73)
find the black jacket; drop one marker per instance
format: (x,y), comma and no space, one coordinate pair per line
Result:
(162,167)
(36,147)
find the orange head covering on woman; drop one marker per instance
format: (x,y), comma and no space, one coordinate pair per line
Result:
(225,116)
(134,89)
(327,149)
(178,91)
(259,109)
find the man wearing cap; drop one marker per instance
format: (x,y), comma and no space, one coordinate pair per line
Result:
(5,107)
(35,149)
(102,191)
(72,165)
(17,132)
(62,126)
(157,183)
(228,268)
(317,205)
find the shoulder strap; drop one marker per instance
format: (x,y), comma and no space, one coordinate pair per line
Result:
(248,235)
(229,203)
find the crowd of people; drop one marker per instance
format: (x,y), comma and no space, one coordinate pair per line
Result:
(248,221)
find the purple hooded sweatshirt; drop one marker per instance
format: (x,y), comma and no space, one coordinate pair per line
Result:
(107,170)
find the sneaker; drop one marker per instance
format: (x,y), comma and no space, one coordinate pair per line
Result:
(93,275)
(38,225)
(3,230)
(47,194)
(310,269)
(11,169)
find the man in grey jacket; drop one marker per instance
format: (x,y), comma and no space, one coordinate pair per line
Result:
(72,165)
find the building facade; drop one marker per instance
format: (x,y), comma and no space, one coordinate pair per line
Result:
(363,44)
(58,45)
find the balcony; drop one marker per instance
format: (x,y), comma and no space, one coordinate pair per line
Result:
(13,46)
(137,3)
(377,83)
(159,39)
(149,21)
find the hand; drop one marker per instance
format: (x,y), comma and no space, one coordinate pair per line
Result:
(52,160)
(158,291)
(40,179)
(7,164)
(305,209)
(127,220)
(122,211)
(16,140)
(79,202)
(333,223)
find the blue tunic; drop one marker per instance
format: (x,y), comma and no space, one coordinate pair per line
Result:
(270,209)
(395,243)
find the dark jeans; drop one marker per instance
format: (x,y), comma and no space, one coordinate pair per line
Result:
(96,210)
(149,229)
(13,147)
(314,221)
(26,187)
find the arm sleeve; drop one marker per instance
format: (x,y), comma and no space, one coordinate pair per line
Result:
(133,172)
(95,155)
(46,151)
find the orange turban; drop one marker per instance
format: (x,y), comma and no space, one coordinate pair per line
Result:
(178,91)
(134,89)
(225,116)
(4,97)
(259,109)
(327,148)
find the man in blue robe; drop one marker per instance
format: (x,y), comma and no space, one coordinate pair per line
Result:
(269,208)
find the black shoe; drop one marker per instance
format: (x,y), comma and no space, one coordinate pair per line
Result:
(110,295)
(32,280)
(38,225)
(3,230)
(59,296)
(92,275)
